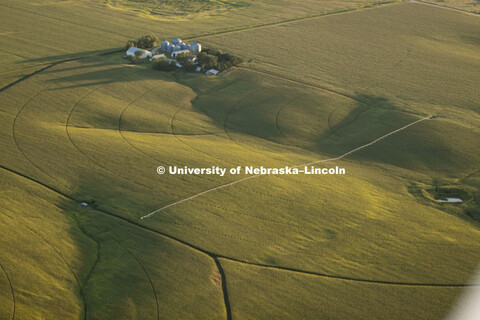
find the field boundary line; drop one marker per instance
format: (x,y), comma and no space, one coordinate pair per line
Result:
(226,300)
(144,270)
(345,278)
(297,166)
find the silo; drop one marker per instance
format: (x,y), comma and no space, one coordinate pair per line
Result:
(170,48)
(176,41)
(164,45)
(176,48)
(196,47)
(184,46)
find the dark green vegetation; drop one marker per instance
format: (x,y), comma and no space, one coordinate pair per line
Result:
(216,59)
(370,244)
(146,42)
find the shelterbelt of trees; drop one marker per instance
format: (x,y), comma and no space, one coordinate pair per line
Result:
(207,59)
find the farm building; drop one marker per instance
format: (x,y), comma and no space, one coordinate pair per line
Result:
(212,72)
(158,56)
(132,52)
(176,53)
(196,47)
(178,45)
(176,41)
(164,45)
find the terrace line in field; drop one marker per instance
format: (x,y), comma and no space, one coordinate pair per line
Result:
(294,170)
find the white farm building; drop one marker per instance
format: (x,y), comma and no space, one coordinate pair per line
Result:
(142,53)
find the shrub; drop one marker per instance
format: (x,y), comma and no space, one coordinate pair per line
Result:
(182,58)
(223,62)
(207,61)
(130,43)
(147,41)
(162,64)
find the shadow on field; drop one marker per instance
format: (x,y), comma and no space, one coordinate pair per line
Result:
(102,76)
(72,56)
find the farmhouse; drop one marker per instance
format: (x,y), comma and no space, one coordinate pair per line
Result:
(140,53)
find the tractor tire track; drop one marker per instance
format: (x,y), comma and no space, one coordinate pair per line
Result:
(67,125)
(278,126)
(15,140)
(172,128)
(172,121)
(219,256)
(82,295)
(120,131)
(11,290)
(234,109)
(260,175)
(144,271)
(330,125)
(36,94)
(120,124)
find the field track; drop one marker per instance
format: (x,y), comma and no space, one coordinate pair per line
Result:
(62,258)
(442,6)
(11,289)
(144,271)
(308,164)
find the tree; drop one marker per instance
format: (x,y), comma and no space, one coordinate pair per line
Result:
(207,61)
(182,58)
(163,65)
(148,41)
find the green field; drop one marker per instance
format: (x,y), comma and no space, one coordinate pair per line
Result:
(316,84)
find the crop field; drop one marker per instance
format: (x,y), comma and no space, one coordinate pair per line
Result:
(467,5)
(78,123)
(32,34)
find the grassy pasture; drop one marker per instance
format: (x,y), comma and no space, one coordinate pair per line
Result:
(97,128)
